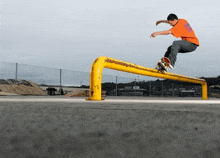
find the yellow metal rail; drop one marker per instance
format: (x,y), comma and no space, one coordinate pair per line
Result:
(106,62)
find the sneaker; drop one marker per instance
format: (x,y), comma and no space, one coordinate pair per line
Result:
(166,62)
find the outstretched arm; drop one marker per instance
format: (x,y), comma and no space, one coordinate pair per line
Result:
(162,21)
(167,32)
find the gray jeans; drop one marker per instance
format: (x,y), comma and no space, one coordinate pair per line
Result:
(179,46)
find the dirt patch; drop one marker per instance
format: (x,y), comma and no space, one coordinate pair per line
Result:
(20,87)
(78,93)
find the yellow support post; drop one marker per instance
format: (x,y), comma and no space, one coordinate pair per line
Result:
(106,62)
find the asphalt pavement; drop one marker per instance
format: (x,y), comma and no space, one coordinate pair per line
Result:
(119,127)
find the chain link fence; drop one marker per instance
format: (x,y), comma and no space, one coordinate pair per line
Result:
(114,85)
(55,77)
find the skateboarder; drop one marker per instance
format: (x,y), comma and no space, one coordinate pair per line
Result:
(181,28)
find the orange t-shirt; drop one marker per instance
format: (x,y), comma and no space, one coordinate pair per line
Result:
(183,29)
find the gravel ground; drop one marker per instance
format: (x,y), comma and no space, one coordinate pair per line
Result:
(108,129)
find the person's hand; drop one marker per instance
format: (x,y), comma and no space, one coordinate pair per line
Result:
(153,35)
(158,22)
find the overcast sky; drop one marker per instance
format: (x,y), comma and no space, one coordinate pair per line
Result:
(71,34)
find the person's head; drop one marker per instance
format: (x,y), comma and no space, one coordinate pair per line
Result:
(172,19)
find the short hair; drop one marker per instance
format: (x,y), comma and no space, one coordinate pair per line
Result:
(172,17)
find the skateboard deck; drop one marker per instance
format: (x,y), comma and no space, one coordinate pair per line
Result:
(163,65)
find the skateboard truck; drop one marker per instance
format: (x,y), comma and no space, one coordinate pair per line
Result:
(163,64)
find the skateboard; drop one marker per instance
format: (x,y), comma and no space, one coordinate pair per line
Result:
(163,64)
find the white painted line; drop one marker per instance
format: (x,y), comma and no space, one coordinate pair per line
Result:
(168,101)
(42,100)
(110,101)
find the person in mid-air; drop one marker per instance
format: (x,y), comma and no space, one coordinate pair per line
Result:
(181,28)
